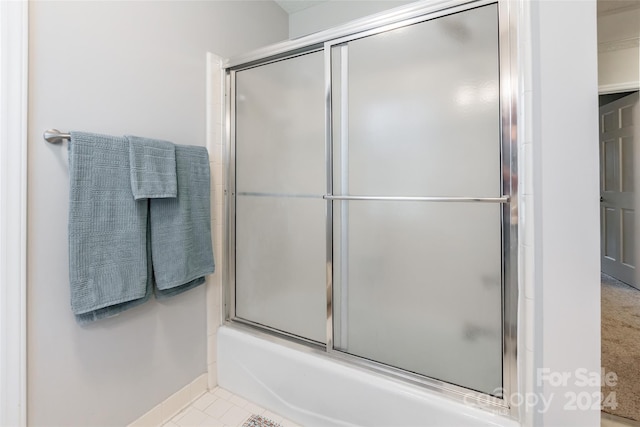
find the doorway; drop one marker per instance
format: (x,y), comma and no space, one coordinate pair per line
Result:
(618,136)
(620,292)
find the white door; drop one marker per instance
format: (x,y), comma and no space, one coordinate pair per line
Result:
(618,133)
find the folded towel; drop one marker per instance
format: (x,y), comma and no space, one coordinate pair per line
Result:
(108,267)
(153,168)
(181,228)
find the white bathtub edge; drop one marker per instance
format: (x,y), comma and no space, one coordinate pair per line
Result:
(312,389)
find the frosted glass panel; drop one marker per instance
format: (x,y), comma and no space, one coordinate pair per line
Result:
(418,286)
(280,269)
(280,127)
(424,289)
(423,111)
(280,179)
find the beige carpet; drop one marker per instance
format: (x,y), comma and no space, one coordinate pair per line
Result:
(621,345)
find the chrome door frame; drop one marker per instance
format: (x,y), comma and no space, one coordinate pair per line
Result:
(509,103)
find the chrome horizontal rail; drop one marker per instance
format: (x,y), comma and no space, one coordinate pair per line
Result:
(503,199)
(283,195)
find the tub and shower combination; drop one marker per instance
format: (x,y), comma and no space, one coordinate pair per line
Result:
(371,237)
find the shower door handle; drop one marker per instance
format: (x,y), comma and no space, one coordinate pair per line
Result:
(503,199)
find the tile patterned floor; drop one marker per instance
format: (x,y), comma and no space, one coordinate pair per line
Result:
(219,408)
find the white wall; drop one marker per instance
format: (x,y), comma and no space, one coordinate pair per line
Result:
(566,213)
(116,68)
(335,12)
(14,17)
(619,50)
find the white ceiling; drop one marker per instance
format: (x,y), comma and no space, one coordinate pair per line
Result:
(604,6)
(293,6)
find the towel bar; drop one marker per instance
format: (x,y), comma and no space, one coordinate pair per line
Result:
(54,136)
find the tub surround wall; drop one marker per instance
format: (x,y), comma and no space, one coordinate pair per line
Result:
(117,68)
(215,145)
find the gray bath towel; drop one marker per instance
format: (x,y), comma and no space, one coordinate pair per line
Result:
(153,168)
(181,227)
(108,267)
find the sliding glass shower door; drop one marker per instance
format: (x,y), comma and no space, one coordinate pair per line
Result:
(369,198)
(280,180)
(417,266)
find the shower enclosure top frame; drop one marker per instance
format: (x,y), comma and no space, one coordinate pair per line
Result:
(508,82)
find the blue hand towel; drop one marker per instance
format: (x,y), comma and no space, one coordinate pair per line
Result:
(108,268)
(181,227)
(153,168)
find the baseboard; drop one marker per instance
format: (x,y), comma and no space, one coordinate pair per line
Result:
(610,420)
(619,87)
(166,410)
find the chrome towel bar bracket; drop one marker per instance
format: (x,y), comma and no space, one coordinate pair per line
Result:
(54,136)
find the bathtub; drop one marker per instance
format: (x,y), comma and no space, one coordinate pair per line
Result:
(314,390)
